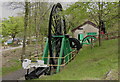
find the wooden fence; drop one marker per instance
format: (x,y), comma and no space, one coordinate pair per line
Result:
(110,35)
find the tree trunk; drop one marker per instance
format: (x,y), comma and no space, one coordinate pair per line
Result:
(99,24)
(36,31)
(29,17)
(25,29)
(13,37)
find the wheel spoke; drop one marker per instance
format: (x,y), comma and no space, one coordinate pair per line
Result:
(56,28)
(55,41)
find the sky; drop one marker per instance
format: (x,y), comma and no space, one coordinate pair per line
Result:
(5,11)
(0,10)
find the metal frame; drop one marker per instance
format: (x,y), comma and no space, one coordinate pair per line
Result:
(57,47)
(65,48)
(89,39)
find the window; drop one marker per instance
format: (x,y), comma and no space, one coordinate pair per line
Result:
(80,28)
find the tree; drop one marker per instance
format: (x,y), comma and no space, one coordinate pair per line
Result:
(12,26)
(81,11)
(25,28)
(96,12)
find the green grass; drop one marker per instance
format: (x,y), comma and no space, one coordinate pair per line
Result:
(14,63)
(91,64)
(12,68)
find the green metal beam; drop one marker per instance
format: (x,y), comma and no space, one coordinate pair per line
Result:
(88,38)
(56,36)
(61,53)
(45,53)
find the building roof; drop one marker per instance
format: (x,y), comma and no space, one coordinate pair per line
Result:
(87,22)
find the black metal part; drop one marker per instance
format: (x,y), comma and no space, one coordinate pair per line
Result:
(56,27)
(36,73)
(74,43)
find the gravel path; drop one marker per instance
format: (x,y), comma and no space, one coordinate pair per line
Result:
(10,48)
(17,75)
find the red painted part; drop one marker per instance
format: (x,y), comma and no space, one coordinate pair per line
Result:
(102,32)
(97,37)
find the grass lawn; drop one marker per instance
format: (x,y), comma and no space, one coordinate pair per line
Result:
(12,68)
(11,59)
(97,63)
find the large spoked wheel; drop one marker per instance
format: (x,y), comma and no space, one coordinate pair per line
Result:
(56,28)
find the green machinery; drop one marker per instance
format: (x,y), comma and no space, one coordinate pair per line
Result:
(59,48)
(65,53)
(88,39)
